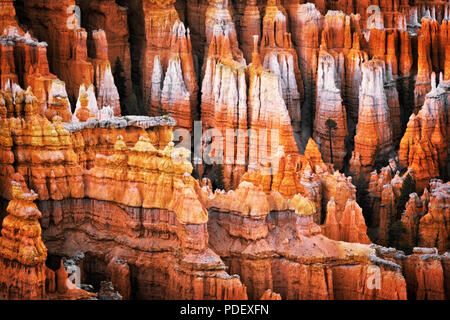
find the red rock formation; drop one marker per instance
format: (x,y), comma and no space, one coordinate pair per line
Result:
(89,139)
(434,226)
(423,79)
(353,76)
(59,104)
(22,252)
(218,20)
(24,62)
(270,295)
(405,63)
(167,38)
(66,43)
(279,55)
(119,272)
(267,112)
(169,93)
(293,235)
(250,26)
(410,219)
(7,15)
(312,153)
(119,190)
(107,15)
(348,226)
(224,107)
(376,187)
(329,107)
(305,22)
(424,275)
(179,223)
(387,215)
(423,146)
(374,131)
(107,94)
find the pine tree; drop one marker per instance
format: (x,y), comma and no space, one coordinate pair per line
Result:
(331,125)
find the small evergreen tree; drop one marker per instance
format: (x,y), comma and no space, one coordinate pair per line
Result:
(331,125)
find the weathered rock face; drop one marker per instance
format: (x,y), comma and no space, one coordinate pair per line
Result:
(24,63)
(38,142)
(279,56)
(346,226)
(117,189)
(415,209)
(353,76)
(434,227)
(165,63)
(224,107)
(250,26)
(22,252)
(63,192)
(151,236)
(8,15)
(67,47)
(425,218)
(107,15)
(423,80)
(424,275)
(107,93)
(423,148)
(374,131)
(218,20)
(264,235)
(305,22)
(330,125)
(267,112)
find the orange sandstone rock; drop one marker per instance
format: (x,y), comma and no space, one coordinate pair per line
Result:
(107,93)
(22,252)
(374,130)
(434,225)
(279,55)
(250,26)
(329,107)
(67,41)
(423,146)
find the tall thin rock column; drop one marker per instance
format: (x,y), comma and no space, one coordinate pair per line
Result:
(373,140)
(329,107)
(22,252)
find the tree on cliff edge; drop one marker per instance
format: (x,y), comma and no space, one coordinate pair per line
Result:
(331,125)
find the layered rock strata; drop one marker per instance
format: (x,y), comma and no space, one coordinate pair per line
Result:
(373,138)
(330,111)
(266,233)
(423,148)
(22,252)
